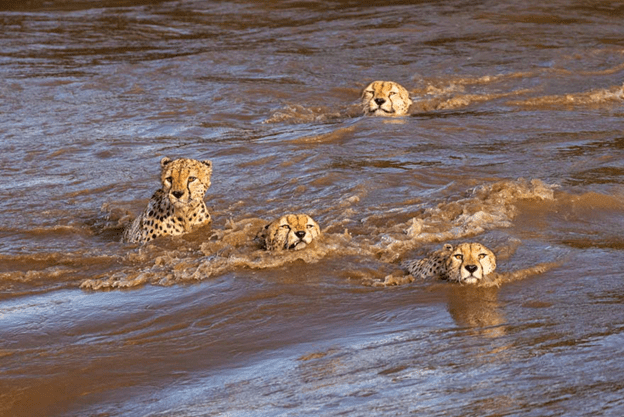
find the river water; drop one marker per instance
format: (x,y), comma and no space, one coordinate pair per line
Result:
(516,140)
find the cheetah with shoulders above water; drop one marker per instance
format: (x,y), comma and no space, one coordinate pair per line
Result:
(385,98)
(466,263)
(178,206)
(291,231)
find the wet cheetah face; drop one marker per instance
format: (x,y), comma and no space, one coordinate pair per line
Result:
(291,231)
(469,262)
(385,98)
(185,181)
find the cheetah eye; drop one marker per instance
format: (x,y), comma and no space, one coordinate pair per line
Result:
(310,226)
(191,179)
(285,226)
(169,179)
(482,255)
(372,93)
(459,256)
(391,93)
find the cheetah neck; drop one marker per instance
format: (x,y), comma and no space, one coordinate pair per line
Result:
(193,214)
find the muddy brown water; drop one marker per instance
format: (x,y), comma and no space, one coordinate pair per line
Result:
(516,139)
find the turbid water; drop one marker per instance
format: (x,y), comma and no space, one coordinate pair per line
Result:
(515,139)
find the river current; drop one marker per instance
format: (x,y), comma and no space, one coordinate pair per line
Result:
(515,139)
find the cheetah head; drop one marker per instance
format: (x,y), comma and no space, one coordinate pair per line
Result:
(385,98)
(469,263)
(291,231)
(185,181)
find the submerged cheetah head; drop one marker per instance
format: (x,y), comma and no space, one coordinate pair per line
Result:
(185,181)
(469,263)
(291,231)
(385,98)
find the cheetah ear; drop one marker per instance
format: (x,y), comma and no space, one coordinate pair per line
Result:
(448,246)
(207,163)
(165,161)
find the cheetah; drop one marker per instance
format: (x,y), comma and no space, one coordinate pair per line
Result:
(385,98)
(291,231)
(178,206)
(467,263)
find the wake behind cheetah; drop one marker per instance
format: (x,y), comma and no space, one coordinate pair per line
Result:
(291,231)
(178,206)
(385,98)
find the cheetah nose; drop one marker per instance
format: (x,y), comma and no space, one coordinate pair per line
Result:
(177,194)
(471,268)
(300,234)
(380,101)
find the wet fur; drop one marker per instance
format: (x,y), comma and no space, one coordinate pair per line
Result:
(178,206)
(466,263)
(289,232)
(385,98)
